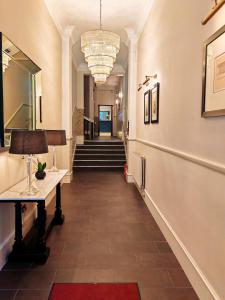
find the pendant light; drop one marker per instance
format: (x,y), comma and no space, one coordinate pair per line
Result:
(100,48)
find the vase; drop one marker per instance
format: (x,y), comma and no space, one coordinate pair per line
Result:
(40,175)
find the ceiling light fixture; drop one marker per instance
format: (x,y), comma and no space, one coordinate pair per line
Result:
(100,48)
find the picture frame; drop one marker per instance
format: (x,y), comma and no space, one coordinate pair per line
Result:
(147,107)
(155,103)
(213,79)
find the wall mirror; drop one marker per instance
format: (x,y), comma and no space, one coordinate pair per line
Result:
(19,86)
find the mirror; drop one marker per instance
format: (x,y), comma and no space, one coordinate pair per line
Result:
(17,90)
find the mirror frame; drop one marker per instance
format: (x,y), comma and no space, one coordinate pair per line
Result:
(2,129)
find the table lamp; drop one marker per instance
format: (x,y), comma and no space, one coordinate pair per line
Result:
(55,138)
(28,142)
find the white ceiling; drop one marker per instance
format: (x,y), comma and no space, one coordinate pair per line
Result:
(116,14)
(83,15)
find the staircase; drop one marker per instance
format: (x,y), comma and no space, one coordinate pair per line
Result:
(100,155)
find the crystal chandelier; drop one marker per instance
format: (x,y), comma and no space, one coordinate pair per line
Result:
(100,48)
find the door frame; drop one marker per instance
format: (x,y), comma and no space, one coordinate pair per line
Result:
(111,118)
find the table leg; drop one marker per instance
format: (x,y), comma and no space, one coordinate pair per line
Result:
(41,223)
(19,242)
(58,218)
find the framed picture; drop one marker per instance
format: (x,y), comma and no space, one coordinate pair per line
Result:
(155,103)
(147,107)
(213,91)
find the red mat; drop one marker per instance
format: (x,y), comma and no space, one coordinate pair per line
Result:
(98,291)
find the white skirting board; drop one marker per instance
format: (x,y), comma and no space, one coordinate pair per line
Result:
(68,178)
(198,280)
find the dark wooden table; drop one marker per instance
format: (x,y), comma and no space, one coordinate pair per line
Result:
(33,246)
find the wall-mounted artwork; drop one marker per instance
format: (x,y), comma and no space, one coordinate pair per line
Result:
(213,95)
(155,103)
(147,107)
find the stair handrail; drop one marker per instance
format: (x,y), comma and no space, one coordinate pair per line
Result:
(88,119)
(15,113)
(88,128)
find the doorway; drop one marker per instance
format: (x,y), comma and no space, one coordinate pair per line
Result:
(105,123)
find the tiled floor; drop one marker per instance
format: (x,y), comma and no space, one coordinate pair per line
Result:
(108,236)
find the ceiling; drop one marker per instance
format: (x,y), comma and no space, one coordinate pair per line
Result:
(117,16)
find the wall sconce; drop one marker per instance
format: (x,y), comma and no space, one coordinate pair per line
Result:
(148,78)
(217,6)
(117,101)
(140,87)
(120,95)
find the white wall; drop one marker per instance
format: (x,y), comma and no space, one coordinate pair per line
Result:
(37,37)
(186,197)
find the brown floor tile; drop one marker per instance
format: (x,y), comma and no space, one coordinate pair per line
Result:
(40,280)
(64,275)
(144,276)
(168,294)
(133,247)
(9,279)
(32,295)
(94,275)
(108,236)
(163,247)
(179,278)
(7,294)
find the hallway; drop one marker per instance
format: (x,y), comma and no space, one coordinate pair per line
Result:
(108,236)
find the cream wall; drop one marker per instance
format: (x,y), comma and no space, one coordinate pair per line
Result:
(28,24)
(184,152)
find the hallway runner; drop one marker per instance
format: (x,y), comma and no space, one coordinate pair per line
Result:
(92,291)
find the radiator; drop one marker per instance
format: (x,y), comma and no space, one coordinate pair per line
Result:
(140,171)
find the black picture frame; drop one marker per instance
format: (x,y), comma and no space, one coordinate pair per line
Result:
(205,113)
(147,107)
(155,103)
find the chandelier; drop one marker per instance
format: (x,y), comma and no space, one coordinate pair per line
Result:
(100,48)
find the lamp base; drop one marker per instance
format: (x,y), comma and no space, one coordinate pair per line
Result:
(53,169)
(30,191)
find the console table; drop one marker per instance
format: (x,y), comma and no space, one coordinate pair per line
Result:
(33,247)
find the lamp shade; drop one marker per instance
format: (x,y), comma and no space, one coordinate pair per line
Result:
(28,142)
(56,137)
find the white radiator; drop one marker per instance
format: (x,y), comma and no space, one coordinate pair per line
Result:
(140,167)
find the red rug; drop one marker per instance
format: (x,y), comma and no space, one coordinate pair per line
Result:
(98,291)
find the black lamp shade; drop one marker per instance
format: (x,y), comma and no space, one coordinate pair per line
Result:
(56,137)
(28,142)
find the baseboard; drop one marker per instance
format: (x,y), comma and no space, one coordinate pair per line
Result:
(200,283)
(80,139)
(130,178)
(68,177)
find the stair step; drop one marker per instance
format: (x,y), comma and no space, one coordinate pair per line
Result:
(100,147)
(99,156)
(114,160)
(94,142)
(100,151)
(99,163)
(80,168)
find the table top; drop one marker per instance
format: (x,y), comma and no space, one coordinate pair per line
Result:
(45,188)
